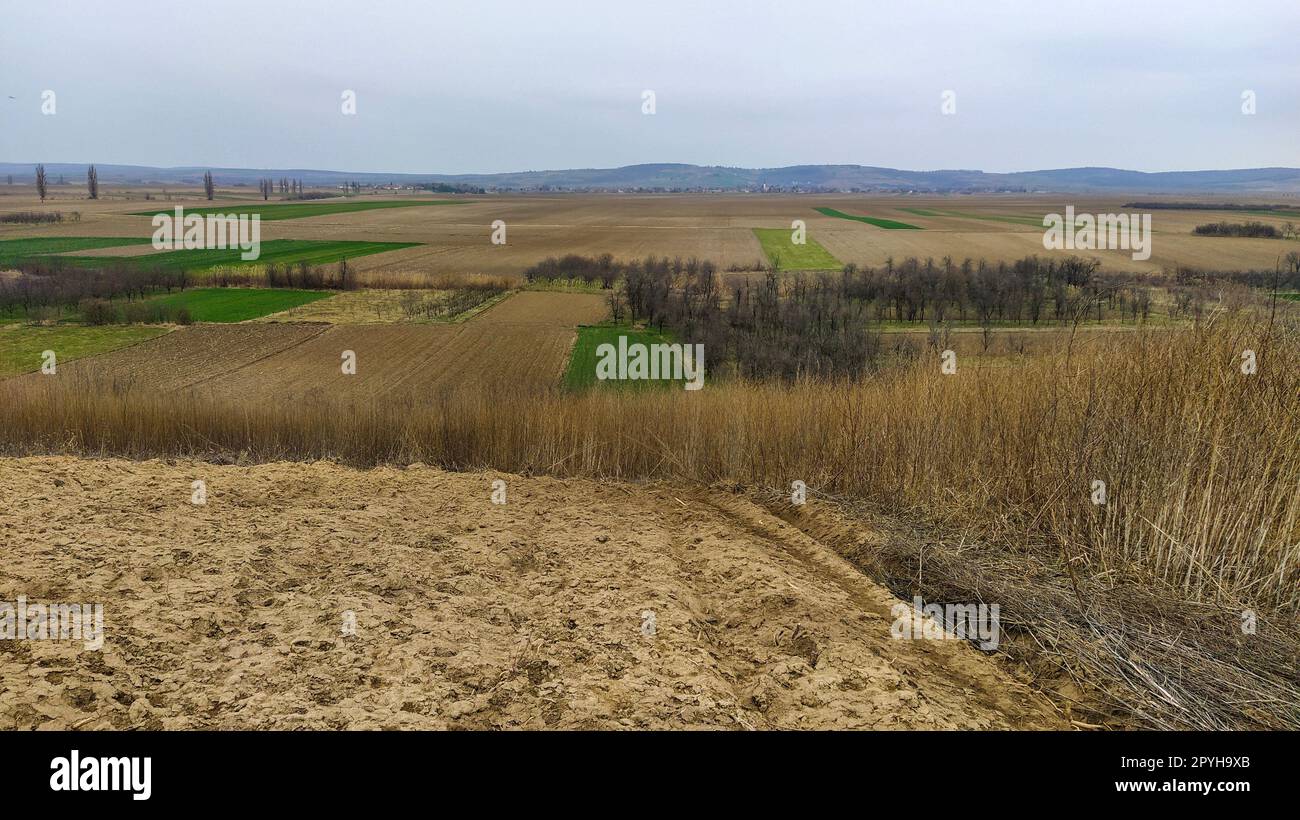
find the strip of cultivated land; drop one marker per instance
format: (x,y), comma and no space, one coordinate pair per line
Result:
(520,344)
(237,304)
(367,306)
(581,372)
(15,250)
(22,346)
(468,614)
(301,210)
(888,224)
(785,255)
(282,251)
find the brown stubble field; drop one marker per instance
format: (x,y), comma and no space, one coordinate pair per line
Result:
(456,239)
(519,345)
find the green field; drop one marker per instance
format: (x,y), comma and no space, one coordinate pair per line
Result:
(21,346)
(299,210)
(888,224)
(581,373)
(1036,221)
(12,250)
(237,304)
(785,255)
(311,251)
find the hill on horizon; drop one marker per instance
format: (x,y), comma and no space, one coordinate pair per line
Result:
(685,177)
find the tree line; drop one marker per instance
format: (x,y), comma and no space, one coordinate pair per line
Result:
(826,325)
(1253,229)
(48,285)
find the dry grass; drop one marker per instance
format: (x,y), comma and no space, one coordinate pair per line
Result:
(369,306)
(1113,650)
(256,275)
(1138,597)
(1201,461)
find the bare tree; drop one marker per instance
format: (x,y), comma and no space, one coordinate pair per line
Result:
(207,184)
(40,181)
(92,182)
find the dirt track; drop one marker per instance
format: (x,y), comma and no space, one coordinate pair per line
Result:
(468,614)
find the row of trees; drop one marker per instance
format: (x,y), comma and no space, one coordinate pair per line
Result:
(575,268)
(137,312)
(774,327)
(1253,229)
(37,217)
(92,183)
(42,182)
(1031,289)
(1285,277)
(52,284)
(299,275)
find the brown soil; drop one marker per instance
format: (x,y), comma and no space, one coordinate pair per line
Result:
(468,614)
(521,343)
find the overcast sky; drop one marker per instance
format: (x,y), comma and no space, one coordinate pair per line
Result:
(505,86)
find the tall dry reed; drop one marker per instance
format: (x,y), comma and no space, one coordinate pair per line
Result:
(1201,462)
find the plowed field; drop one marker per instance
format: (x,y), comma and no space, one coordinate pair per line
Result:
(521,343)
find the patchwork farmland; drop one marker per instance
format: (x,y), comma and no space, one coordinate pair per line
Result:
(449,238)
(822,366)
(389,367)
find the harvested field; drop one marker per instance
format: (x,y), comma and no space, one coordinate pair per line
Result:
(717,227)
(304,210)
(467,614)
(548,308)
(521,344)
(359,307)
(189,357)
